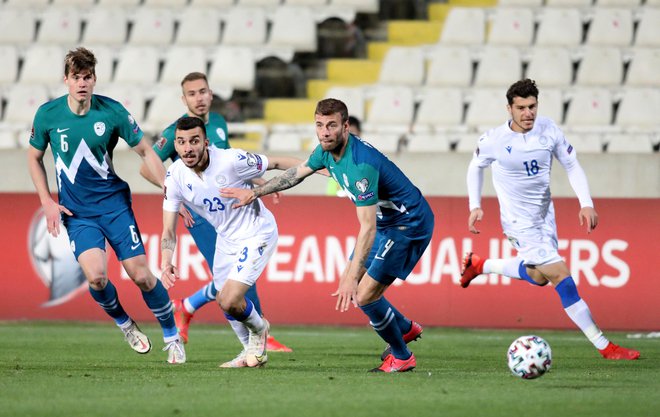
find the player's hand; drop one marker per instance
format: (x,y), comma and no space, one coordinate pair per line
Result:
(187,217)
(475,216)
(52,212)
(277,196)
(169,276)
(244,196)
(346,294)
(589,216)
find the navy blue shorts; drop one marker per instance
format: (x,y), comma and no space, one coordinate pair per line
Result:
(119,228)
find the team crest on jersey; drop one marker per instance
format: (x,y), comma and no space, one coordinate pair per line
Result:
(220,180)
(543,140)
(253,160)
(362,185)
(221,134)
(161,143)
(99,128)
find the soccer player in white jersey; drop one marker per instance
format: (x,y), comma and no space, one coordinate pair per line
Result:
(520,153)
(246,238)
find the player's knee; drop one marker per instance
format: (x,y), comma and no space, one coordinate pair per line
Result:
(538,277)
(144,279)
(98,281)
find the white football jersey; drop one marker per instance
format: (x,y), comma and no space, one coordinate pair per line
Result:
(521,164)
(227,168)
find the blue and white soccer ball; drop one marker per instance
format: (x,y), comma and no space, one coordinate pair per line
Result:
(529,357)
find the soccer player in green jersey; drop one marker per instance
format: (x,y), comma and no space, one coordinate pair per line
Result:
(82,129)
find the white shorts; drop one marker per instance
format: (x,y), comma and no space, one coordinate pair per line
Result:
(242,260)
(536,246)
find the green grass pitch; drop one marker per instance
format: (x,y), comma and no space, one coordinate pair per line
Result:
(86,369)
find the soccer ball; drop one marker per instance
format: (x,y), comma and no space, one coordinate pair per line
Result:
(529,357)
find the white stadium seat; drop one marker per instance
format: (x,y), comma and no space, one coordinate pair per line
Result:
(137,65)
(391,110)
(511,26)
(293,27)
(611,27)
(284,142)
(487,109)
(521,3)
(428,143)
(568,3)
(364,6)
(9,67)
(559,27)
(618,3)
(23,100)
(18,26)
(440,109)
(182,60)
(402,66)
(639,109)
(232,68)
(648,29)
(165,108)
(211,3)
(106,26)
(353,97)
(165,3)
(152,26)
(245,26)
(131,98)
(586,142)
(449,66)
(644,69)
(551,104)
(600,66)
(550,67)
(498,66)
(589,108)
(60,26)
(43,64)
(464,26)
(105,62)
(191,19)
(86,4)
(639,143)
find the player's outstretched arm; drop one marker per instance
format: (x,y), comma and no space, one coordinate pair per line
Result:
(52,210)
(289,178)
(167,244)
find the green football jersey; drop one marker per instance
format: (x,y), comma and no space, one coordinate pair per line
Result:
(216,132)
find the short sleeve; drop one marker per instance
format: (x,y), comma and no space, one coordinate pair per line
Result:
(315,160)
(365,187)
(164,146)
(39,138)
(249,165)
(172,198)
(127,127)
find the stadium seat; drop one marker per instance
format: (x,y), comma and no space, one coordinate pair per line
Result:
(385,142)
(118,3)
(191,19)
(520,3)
(464,26)
(586,142)
(648,29)
(568,3)
(487,109)
(611,27)
(559,27)
(428,143)
(105,63)
(9,67)
(353,97)
(391,110)
(449,66)
(7,138)
(165,3)
(23,100)
(284,142)
(402,66)
(60,26)
(152,26)
(262,3)
(18,26)
(639,109)
(83,4)
(313,3)
(165,108)
(644,69)
(131,98)
(600,66)
(182,60)
(43,64)
(440,109)
(364,6)
(627,143)
(26,3)
(467,143)
(618,3)
(293,27)
(511,26)
(211,3)
(551,104)
(498,66)
(550,66)
(589,109)
(137,65)
(106,26)
(245,26)
(239,74)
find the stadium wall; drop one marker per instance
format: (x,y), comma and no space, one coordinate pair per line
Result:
(614,267)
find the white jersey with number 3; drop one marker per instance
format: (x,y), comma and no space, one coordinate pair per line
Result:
(521,164)
(227,168)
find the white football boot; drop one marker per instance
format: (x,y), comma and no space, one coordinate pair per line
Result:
(176,354)
(138,341)
(256,350)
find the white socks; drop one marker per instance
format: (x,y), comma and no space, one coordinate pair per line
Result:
(581,316)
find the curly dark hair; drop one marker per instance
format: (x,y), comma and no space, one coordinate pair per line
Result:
(330,106)
(523,88)
(190,122)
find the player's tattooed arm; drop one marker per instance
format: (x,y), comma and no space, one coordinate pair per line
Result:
(284,181)
(167,243)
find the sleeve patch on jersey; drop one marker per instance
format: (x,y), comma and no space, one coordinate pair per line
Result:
(165,188)
(362,185)
(477,151)
(570,149)
(32,133)
(366,196)
(161,143)
(253,160)
(134,125)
